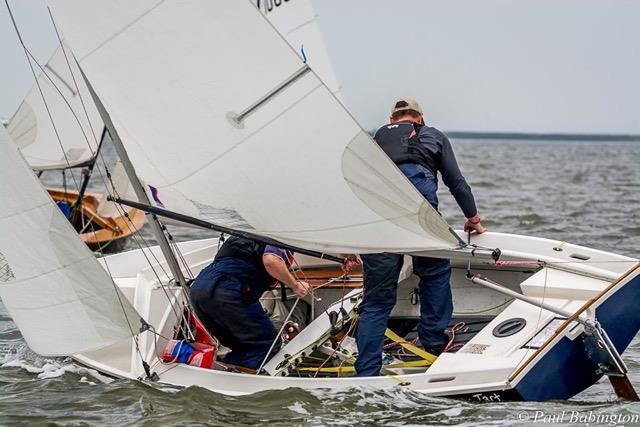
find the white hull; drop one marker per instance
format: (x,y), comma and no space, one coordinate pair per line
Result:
(486,367)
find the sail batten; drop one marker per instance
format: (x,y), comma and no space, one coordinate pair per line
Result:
(53,287)
(299,163)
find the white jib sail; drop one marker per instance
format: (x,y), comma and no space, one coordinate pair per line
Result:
(52,285)
(297,21)
(33,131)
(298,168)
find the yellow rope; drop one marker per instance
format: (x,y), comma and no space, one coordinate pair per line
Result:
(427,358)
(351,369)
(408,346)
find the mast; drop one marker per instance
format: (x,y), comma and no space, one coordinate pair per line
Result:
(137,185)
(86,177)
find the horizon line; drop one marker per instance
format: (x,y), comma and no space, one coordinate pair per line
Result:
(544,136)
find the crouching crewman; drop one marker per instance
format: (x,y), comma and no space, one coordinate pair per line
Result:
(226,297)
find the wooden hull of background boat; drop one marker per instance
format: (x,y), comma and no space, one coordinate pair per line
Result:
(99,232)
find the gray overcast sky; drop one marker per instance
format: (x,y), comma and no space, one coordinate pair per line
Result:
(36,28)
(494,65)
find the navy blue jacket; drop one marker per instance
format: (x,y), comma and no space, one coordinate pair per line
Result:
(440,149)
(438,144)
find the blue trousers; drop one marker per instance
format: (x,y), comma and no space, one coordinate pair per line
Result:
(381,273)
(239,323)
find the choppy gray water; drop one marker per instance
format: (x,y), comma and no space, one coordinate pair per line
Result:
(581,192)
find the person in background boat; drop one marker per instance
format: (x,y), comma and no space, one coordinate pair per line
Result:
(225,297)
(420,152)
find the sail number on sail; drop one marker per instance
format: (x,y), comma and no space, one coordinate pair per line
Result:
(268,5)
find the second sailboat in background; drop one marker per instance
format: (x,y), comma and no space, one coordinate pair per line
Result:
(57,128)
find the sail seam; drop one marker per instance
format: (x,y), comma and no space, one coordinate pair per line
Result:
(48,272)
(19,136)
(341,227)
(297,27)
(243,140)
(376,248)
(49,304)
(121,31)
(45,204)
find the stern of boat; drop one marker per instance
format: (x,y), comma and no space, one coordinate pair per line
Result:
(569,362)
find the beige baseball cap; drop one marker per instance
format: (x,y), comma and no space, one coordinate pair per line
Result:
(406,103)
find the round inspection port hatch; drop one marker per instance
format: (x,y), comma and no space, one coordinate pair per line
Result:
(509,327)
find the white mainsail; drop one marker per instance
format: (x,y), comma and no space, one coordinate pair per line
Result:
(297,21)
(62,300)
(32,129)
(174,76)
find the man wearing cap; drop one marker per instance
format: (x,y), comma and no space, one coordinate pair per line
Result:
(420,152)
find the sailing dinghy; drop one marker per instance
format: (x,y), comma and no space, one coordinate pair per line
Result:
(57,128)
(267,151)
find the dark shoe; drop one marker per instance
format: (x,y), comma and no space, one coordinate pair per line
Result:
(437,349)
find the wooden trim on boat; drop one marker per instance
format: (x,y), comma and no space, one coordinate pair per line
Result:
(320,275)
(567,322)
(112,228)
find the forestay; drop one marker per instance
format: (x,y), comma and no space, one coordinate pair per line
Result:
(32,129)
(173,75)
(52,285)
(297,21)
